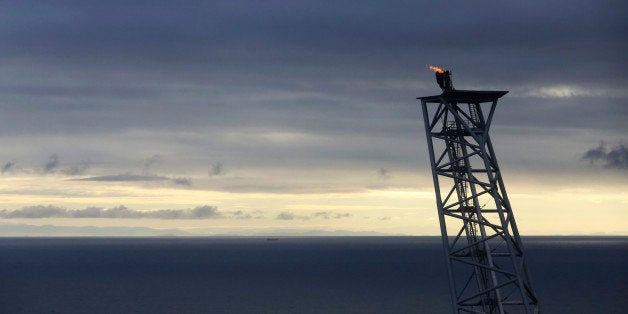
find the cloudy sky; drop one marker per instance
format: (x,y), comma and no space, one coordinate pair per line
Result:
(261,117)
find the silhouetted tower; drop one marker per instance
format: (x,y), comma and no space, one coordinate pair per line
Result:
(485,256)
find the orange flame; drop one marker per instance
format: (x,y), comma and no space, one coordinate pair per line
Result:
(436,69)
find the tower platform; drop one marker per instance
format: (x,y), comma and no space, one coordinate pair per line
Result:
(464,96)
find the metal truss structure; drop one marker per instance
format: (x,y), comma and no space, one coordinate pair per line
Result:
(485,256)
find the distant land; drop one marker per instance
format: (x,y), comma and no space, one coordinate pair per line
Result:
(26,230)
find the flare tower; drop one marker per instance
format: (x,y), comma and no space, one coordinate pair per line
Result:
(485,258)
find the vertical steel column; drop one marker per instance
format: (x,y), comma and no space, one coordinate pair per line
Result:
(439,206)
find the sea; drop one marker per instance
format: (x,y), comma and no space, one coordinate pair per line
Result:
(287,275)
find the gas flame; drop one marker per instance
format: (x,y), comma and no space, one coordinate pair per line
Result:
(436,69)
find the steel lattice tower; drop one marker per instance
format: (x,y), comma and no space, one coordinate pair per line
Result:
(484,254)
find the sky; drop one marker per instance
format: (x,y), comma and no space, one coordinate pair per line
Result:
(300,117)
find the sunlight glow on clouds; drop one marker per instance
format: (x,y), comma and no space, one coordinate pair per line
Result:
(573,91)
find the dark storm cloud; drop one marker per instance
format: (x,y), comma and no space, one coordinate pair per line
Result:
(216,169)
(383,173)
(613,158)
(182,181)
(242,215)
(52,164)
(595,154)
(286,216)
(7,167)
(152,161)
(41,211)
(79,169)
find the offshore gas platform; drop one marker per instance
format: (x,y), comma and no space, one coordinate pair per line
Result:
(485,258)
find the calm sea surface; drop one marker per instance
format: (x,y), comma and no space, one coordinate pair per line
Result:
(288,275)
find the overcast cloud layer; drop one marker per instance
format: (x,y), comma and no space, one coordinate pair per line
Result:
(298,96)
(300,65)
(231,70)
